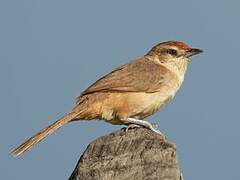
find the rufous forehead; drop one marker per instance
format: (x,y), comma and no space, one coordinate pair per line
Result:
(178,44)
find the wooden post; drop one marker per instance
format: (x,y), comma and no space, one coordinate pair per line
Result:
(133,155)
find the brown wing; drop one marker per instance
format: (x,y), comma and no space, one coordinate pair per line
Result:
(140,75)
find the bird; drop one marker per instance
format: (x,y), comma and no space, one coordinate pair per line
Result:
(129,93)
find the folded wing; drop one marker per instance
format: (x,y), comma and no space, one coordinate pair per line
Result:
(135,76)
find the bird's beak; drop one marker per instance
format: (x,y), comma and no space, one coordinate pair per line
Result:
(193,51)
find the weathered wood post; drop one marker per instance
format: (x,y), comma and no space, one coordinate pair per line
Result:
(133,155)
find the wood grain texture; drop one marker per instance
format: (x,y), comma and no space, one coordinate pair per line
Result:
(138,154)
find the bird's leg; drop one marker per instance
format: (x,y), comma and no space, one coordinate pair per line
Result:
(143,124)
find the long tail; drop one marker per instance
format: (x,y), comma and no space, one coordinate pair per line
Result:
(28,144)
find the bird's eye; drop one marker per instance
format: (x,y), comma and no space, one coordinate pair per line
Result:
(173,52)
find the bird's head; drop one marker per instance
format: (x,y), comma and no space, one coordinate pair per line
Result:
(174,51)
(174,54)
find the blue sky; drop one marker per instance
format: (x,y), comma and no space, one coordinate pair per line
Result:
(52,50)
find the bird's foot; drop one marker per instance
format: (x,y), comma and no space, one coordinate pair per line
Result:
(155,126)
(137,123)
(131,126)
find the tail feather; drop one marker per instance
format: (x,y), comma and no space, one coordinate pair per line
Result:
(31,142)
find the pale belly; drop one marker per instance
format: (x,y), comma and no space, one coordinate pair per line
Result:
(151,103)
(136,105)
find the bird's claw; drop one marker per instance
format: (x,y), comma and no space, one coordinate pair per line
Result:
(155,126)
(131,126)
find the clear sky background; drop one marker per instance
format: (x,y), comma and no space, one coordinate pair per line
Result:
(51,50)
